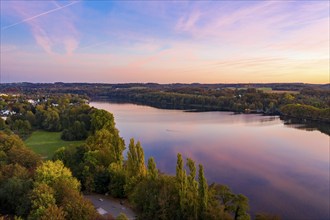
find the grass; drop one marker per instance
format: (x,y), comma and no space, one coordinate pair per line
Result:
(265,89)
(282,91)
(46,143)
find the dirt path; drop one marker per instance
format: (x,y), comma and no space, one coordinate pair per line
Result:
(110,205)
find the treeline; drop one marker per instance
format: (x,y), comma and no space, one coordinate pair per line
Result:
(201,100)
(237,100)
(240,98)
(96,88)
(306,112)
(67,113)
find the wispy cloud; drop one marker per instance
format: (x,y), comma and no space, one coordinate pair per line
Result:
(189,21)
(258,24)
(39,15)
(57,35)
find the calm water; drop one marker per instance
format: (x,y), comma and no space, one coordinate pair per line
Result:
(281,169)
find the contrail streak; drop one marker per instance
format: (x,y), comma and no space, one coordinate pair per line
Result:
(36,16)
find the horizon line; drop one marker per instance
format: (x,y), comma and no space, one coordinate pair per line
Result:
(202,83)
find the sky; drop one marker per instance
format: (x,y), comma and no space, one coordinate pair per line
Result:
(165,41)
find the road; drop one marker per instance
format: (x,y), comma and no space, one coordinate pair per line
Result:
(110,205)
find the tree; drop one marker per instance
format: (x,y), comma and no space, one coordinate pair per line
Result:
(21,127)
(76,207)
(181,179)
(152,170)
(24,157)
(157,199)
(13,150)
(75,132)
(110,143)
(135,159)
(101,119)
(53,213)
(145,197)
(42,196)
(117,180)
(31,118)
(101,179)
(232,205)
(51,120)
(241,204)
(135,166)
(202,192)
(51,171)
(2,124)
(192,190)
(13,194)
(7,141)
(40,115)
(58,187)
(288,98)
(215,210)
(226,197)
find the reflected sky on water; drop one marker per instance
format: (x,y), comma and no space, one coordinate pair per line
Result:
(281,169)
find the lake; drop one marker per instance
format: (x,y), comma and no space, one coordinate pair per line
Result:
(281,169)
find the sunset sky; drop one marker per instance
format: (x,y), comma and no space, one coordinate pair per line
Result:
(165,41)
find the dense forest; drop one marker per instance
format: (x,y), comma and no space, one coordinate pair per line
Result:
(32,188)
(295,100)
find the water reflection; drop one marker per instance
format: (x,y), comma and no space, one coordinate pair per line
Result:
(307,125)
(282,170)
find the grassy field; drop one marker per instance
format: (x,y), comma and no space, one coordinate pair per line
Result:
(46,143)
(265,89)
(282,91)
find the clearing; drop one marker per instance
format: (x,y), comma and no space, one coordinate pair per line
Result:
(46,143)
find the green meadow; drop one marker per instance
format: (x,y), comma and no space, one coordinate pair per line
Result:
(46,143)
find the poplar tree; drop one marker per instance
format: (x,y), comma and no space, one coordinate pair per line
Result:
(202,192)
(135,160)
(181,179)
(192,194)
(135,166)
(152,169)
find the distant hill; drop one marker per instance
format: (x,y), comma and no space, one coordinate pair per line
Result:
(83,88)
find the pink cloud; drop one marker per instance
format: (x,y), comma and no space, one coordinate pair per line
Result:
(188,22)
(52,28)
(217,24)
(305,40)
(263,24)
